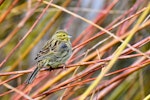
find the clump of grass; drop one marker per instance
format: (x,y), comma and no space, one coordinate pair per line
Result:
(110,57)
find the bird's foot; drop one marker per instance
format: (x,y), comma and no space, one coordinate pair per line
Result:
(64,66)
(49,69)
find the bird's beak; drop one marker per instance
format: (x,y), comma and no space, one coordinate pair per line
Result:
(69,36)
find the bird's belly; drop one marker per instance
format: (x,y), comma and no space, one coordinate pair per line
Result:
(57,59)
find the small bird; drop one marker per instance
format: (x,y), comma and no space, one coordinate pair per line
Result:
(54,53)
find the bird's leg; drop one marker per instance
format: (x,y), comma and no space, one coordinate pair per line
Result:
(49,68)
(64,66)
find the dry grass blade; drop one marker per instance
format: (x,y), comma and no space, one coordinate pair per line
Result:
(116,55)
(110,41)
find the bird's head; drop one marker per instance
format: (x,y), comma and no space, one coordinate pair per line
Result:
(61,35)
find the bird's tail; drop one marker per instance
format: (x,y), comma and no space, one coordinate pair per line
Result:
(33,74)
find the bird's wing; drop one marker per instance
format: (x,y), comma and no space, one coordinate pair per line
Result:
(48,49)
(45,49)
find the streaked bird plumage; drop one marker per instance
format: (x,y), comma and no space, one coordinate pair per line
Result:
(54,53)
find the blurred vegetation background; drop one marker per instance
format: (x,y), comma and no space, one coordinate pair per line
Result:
(27,24)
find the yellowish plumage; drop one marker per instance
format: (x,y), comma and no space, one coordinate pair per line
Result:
(54,53)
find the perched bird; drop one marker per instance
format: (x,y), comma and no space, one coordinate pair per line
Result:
(54,53)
